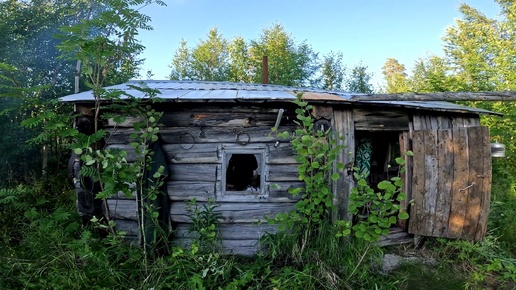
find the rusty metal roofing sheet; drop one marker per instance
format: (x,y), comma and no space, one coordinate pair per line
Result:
(223,91)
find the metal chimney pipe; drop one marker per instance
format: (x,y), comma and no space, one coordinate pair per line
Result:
(265,69)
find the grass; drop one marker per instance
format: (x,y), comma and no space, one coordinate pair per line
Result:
(45,247)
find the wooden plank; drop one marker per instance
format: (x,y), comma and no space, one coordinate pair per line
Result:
(367,119)
(228,247)
(474,193)
(416,123)
(186,190)
(230,231)
(193,172)
(232,213)
(444,182)
(343,124)
(194,135)
(460,181)
(192,153)
(122,209)
(440,96)
(221,118)
(282,154)
(485,177)
(280,189)
(130,227)
(282,173)
(407,177)
(431,181)
(417,214)
(444,122)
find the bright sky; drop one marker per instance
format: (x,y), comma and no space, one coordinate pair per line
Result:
(363,30)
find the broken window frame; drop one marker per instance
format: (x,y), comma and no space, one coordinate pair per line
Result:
(260,155)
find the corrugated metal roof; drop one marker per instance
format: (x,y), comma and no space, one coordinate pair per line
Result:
(223,91)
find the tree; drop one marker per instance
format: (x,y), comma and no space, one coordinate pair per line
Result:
(239,62)
(31,74)
(432,75)
(359,80)
(181,63)
(473,48)
(290,64)
(210,58)
(395,76)
(333,71)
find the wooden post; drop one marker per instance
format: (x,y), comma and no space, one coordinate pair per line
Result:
(344,126)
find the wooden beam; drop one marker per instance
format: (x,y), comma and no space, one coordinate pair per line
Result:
(439,96)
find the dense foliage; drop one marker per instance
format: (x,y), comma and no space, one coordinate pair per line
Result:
(44,246)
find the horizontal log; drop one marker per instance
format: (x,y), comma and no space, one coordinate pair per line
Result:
(221,119)
(227,247)
(231,213)
(229,232)
(123,209)
(281,154)
(194,172)
(439,96)
(130,227)
(194,135)
(280,189)
(283,173)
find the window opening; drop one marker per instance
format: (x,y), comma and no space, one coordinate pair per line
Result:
(243,172)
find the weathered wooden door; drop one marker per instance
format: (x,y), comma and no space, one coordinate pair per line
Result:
(451,183)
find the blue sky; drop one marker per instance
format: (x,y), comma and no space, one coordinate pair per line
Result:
(367,31)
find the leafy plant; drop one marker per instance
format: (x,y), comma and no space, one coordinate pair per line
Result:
(316,152)
(204,222)
(376,211)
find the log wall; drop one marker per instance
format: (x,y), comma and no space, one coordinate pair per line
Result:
(195,141)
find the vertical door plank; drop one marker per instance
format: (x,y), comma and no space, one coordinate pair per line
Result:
(460,181)
(486,185)
(444,182)
(418,186)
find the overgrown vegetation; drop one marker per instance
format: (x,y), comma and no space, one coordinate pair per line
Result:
(45,246)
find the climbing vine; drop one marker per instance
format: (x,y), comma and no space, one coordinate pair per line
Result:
(316,152)
(374,211)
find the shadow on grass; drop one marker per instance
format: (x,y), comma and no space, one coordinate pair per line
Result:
(423,277)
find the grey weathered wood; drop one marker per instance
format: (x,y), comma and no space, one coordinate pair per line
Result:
(282,154)
(130,227)
(123,209)
(343,123)
(283,173)
(227,247)
(230,231)
(418,187)
(192,153)
(406,176)
(221,119)
(444,182)
(453,201)
(185,190)
(431,180)
(193,172)
(194,135)
(440,96)
(234,213)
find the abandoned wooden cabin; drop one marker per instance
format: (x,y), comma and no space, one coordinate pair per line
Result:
(218,143)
